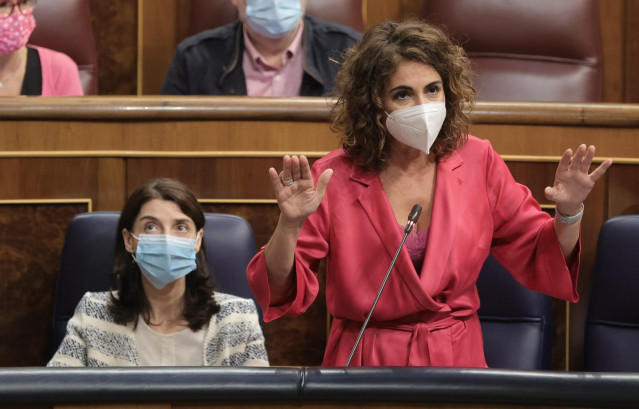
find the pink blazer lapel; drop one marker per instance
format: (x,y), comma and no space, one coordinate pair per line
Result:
(443,222)
(378,209)
(379,212)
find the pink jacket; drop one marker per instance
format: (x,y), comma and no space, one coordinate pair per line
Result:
(428,319)
(60,74)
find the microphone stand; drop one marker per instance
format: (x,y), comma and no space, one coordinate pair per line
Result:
(412,220)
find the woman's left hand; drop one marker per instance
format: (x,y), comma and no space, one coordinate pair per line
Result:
(573,183)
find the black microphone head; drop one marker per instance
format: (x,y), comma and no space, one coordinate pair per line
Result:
(412,218)
(414,213)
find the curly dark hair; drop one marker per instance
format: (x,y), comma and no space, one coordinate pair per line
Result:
(358,114)
(131,301)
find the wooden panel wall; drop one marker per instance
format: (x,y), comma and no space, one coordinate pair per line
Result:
(99,150)
(158,37)
(613,39)
(381,10)
(31,237)
(631,51)
(115,30)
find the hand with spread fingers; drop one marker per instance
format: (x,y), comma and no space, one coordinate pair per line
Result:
(573,183)
(572,186)
(295,191)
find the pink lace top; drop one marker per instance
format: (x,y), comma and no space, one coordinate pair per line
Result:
(416,246)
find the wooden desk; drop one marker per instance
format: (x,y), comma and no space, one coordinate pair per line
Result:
(61,156)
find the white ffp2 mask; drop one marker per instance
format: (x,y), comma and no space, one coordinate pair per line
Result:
(417,126)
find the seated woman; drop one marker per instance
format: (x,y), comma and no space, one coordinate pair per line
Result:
(165,311)
(31,70)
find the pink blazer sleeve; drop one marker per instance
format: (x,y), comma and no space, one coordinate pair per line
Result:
(524,239)
(312,246)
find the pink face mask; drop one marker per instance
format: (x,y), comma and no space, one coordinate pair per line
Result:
(15,31)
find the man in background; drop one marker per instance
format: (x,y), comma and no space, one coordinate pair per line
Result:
(272,50)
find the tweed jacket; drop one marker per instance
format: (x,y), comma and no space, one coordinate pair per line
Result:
(233,336)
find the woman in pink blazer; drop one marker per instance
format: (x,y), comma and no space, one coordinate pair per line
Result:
(404,91)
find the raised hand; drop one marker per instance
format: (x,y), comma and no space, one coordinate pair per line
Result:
(295,191)
(573,183)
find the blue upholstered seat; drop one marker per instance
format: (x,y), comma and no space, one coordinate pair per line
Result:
(612,325)
(516,322)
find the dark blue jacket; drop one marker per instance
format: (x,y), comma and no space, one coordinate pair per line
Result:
(210,63)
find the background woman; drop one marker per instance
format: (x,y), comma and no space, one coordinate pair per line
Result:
(31,70)
(165,311)
(403,92)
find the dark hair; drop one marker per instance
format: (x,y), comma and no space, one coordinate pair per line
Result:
(131,301)
(362,80)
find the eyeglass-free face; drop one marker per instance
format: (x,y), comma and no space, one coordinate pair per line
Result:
(8,7)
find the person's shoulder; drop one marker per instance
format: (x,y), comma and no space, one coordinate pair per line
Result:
(212,37)
(475,148)
(96,306)
(233,304)
(94,303)
(474,142)
(475,154)
(101,296)
(338,156)
(322,28)
(337,159)
(53,57)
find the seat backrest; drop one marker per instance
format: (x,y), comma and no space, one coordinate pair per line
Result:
(86,262)
(542,50)
(65,26)
(612,323)
(516,322)
(207,14)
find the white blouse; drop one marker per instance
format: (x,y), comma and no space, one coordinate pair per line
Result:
(182,348)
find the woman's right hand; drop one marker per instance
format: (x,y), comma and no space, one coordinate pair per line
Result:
(300,198)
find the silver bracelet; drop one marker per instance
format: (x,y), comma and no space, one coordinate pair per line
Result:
(565,219)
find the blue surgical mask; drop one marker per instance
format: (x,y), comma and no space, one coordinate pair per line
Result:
(273,18)
(163,258)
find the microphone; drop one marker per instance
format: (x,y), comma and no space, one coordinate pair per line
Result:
(413,216)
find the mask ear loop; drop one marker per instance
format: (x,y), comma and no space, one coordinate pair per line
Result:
(134,261)
(197,237)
